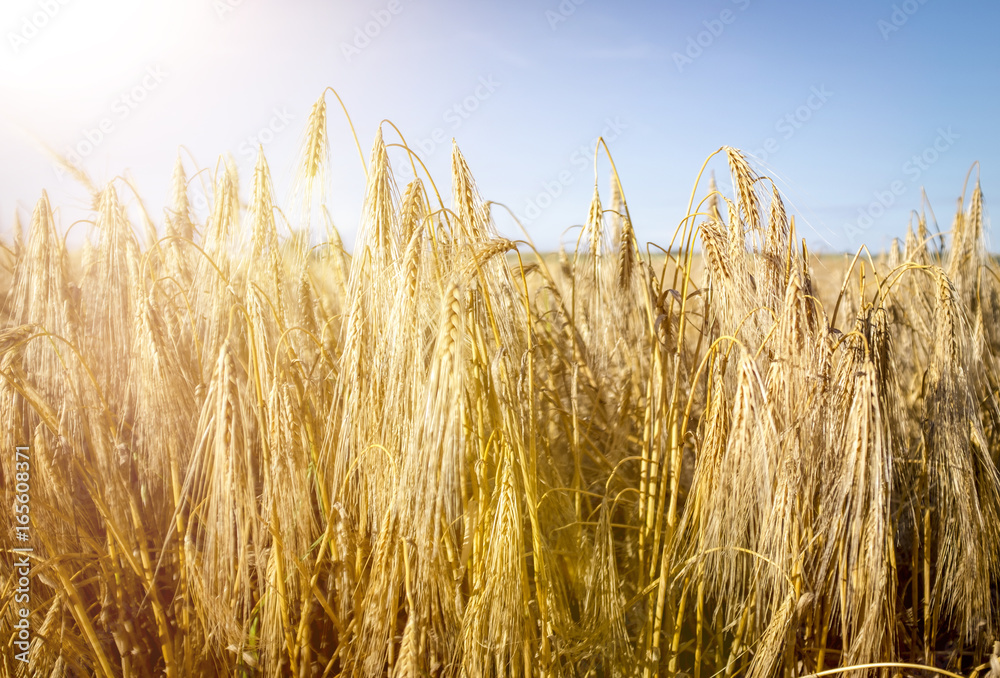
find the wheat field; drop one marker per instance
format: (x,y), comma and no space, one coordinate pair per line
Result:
(447,454)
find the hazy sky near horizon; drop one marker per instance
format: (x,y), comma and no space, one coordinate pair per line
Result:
(852,107)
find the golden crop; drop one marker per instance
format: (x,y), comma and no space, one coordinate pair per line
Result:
(448,455)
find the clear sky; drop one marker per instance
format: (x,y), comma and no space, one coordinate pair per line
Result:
(852,106)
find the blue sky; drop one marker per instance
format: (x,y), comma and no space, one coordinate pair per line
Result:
(852,106)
